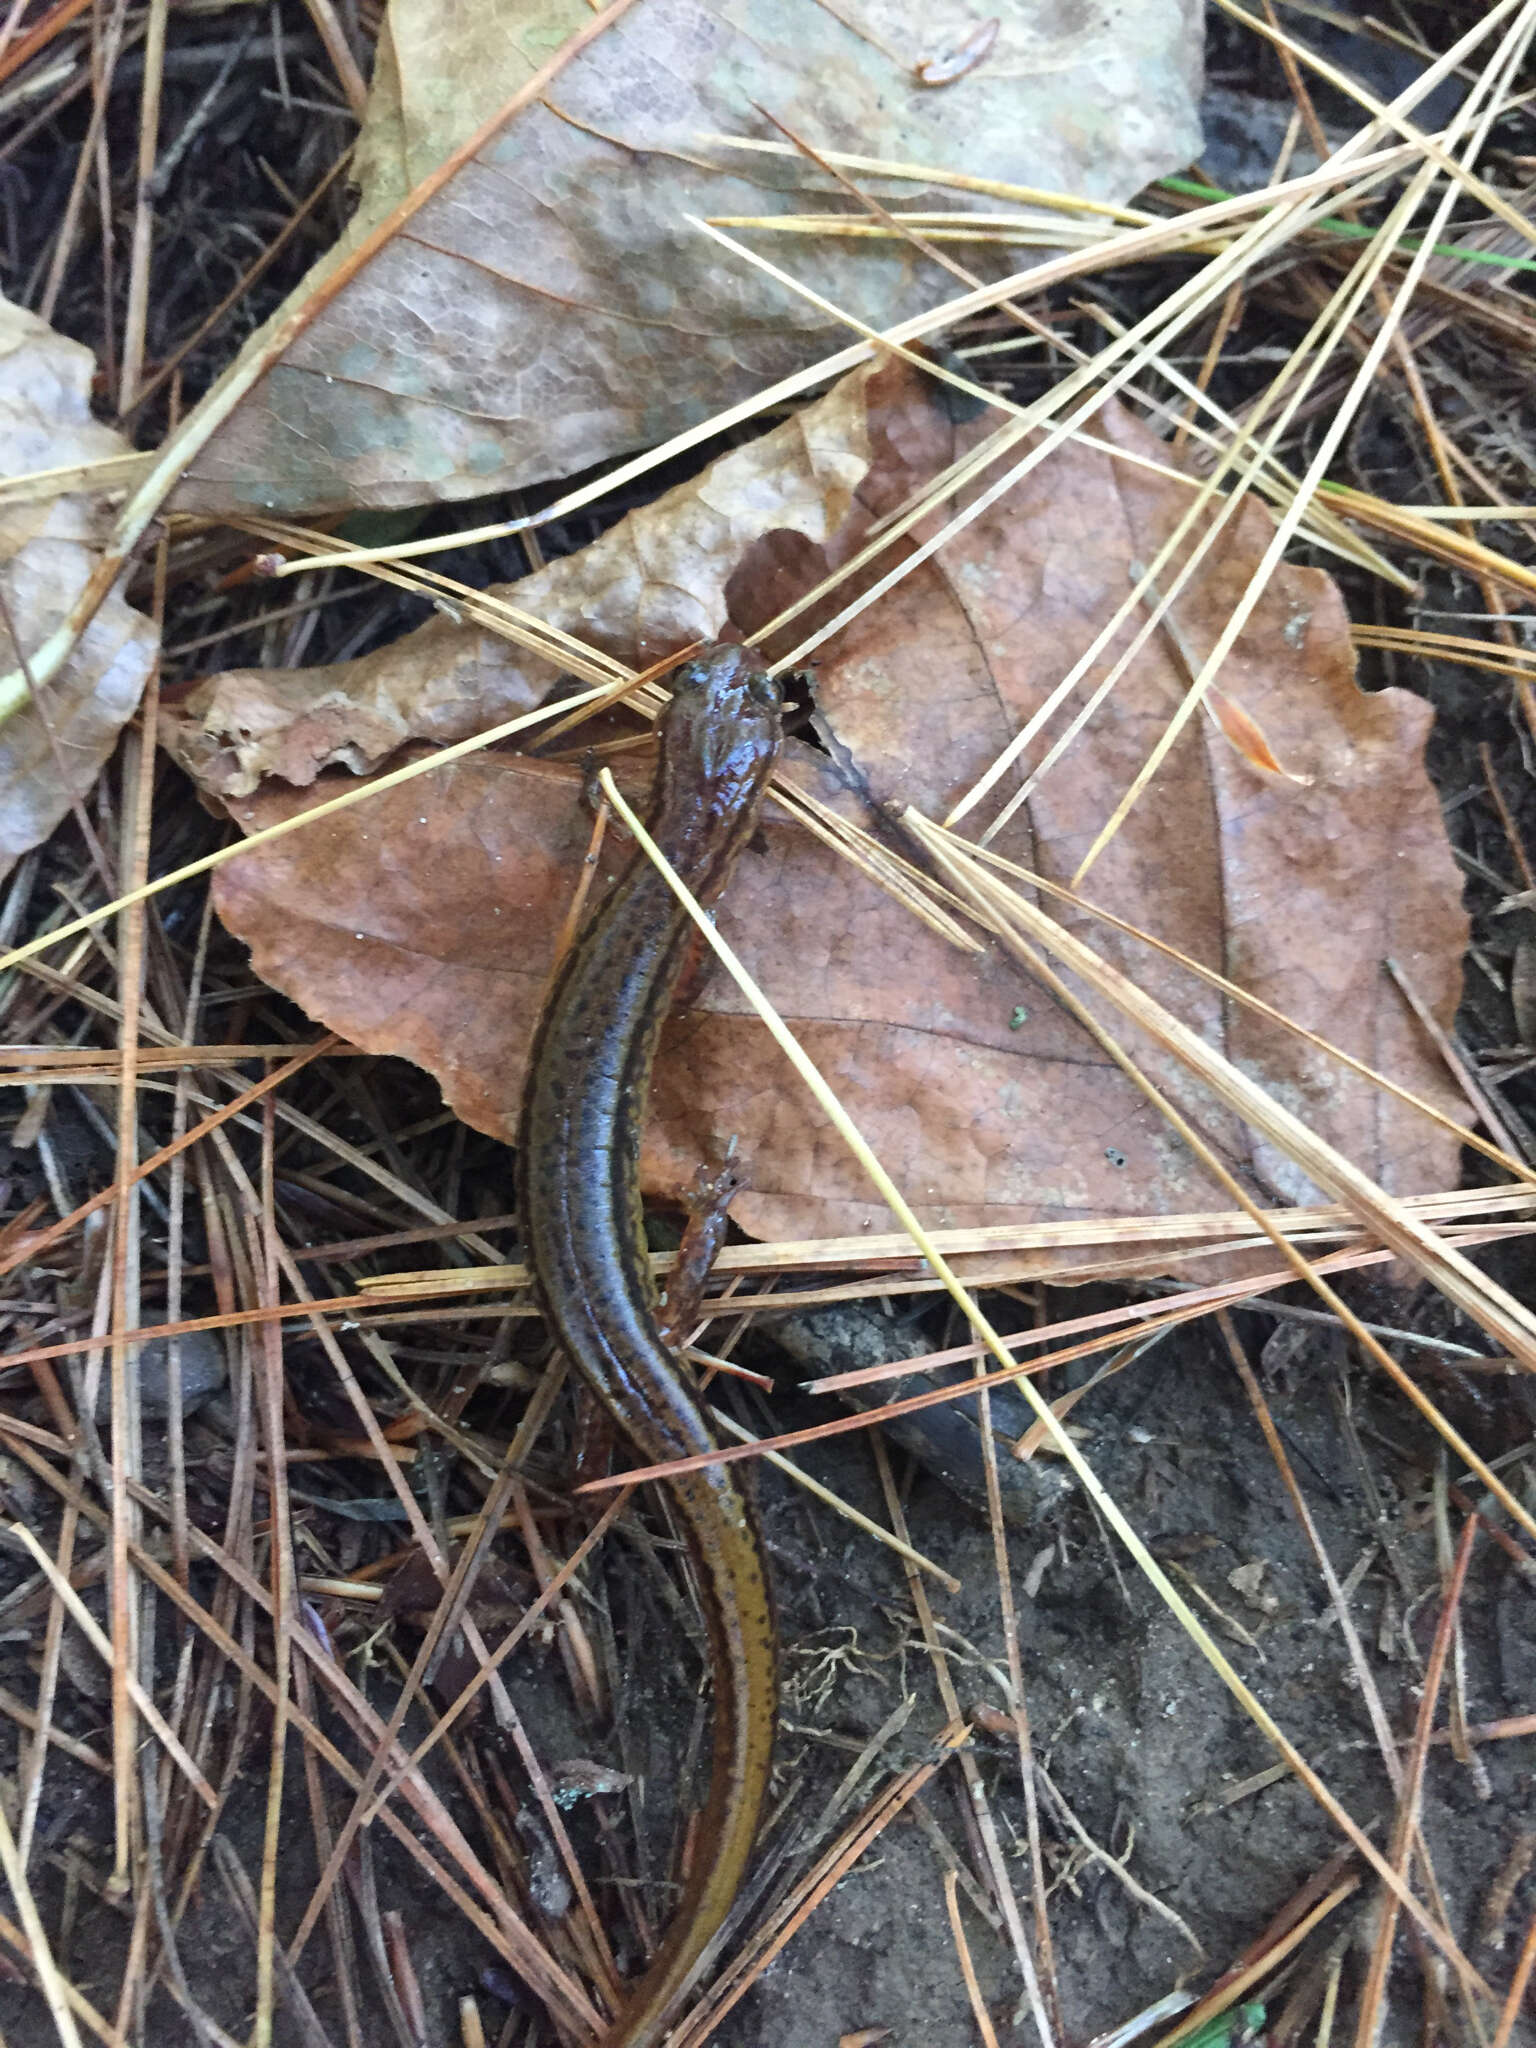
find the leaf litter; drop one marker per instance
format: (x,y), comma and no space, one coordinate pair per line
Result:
(1167,1734)
(391,921)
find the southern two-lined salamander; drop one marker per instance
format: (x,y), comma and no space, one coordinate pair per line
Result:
(578,1165)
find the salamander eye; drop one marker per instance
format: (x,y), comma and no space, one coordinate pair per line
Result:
(687,676)
(763,690)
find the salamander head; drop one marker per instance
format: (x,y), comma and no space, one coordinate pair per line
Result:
(722,727)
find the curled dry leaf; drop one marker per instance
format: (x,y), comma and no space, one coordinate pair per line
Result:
(553,305)
(656,582)
(954,63)
(579,1778)
(439,683)
(424,921)
(47,547)
(1245,733)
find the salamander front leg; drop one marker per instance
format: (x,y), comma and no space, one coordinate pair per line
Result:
(707,1198)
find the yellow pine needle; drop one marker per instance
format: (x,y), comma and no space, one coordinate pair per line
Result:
(937,174)
(1454,647)
(1342,81)
(1420,529)
(850,226)
(1096,378)
(107,473)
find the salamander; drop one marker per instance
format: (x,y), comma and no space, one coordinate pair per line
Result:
(579,1197)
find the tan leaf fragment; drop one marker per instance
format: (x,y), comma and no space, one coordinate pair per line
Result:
(1246,734)
(439,683)
(552,306)
(655,582)
(47,547)
(424,921)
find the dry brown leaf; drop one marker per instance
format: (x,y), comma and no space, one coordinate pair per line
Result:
(427,918)
(1297,890)
(424,921)
(552,306)
(47,547)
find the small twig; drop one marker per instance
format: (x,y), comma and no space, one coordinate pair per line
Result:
(1506,816)
(1471,1087)
(38,37)
(1518,1983)
(238,1886)
(105,51)
(1406,1826)
(143,215)
(977,1808)
(91,1629)
(331,33)
(238,290)
(701,2023)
